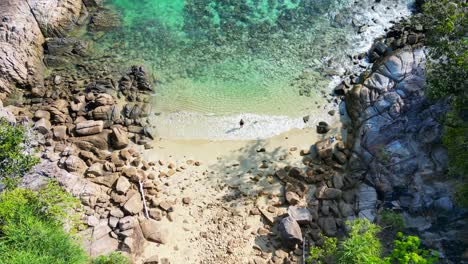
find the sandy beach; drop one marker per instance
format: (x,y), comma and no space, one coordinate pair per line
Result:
(214,189)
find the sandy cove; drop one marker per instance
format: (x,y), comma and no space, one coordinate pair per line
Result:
(219,222)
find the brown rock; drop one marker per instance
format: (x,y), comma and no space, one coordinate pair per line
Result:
(186,200)
(60,132)
(166,206)
(39,114)
(122,186)
(292,198)
(119,138)
(324,149)
(107,180)
(325,193)
(156,214)
(104,99)
(75,164)
(153,231)
(90,127)
(134,205)
(42,126)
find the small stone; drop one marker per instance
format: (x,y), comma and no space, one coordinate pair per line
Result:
(166,206)
(292,198)
(323,127)
(254,211)
(263,231)
(186,200)
(156,214)
(271,209)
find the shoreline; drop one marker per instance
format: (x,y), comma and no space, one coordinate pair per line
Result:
(224,201)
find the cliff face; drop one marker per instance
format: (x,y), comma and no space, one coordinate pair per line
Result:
(20,47)
(395,136)
(24,26)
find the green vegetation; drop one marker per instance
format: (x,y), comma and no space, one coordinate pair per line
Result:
(408,250)
(32,222)
(31,227)
(447,75)
(319,255)
(390,219)
(113,258)
(14,160)
(363,246)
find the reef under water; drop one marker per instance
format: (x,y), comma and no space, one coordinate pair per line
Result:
(266,60)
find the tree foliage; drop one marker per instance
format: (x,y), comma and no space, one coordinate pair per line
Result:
(14,160)
(446,22)
(407,250)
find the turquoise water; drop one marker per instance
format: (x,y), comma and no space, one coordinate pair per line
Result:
(227,58)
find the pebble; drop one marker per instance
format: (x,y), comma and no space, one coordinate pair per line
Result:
(186,200)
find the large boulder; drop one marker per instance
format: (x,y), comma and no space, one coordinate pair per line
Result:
(89,127)
(119,138)
(42,126)
(301,214)
(56,17)
(324,149)
(325,193)
(153,231)
(75,164)
(290,232)
(134,205)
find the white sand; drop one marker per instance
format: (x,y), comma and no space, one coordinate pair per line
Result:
(228,183)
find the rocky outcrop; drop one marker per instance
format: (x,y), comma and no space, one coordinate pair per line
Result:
(395,136)
(57,17)
(20,48)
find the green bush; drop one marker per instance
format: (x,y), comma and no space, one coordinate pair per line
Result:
(30,229)
(362,245)
(389,218)
(14,161)
(319,255)
(447,27)
(446,22)
(113,258)
(408,250)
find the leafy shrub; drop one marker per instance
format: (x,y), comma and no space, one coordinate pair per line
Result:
(408,250)
(14,160)
(446,22)
(362,245)
(113,258)
(318,255)
(388,218)
(30,229)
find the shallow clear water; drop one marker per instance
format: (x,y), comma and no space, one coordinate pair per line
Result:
(221,59)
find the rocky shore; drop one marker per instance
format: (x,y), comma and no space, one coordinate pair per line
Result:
(93,134)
